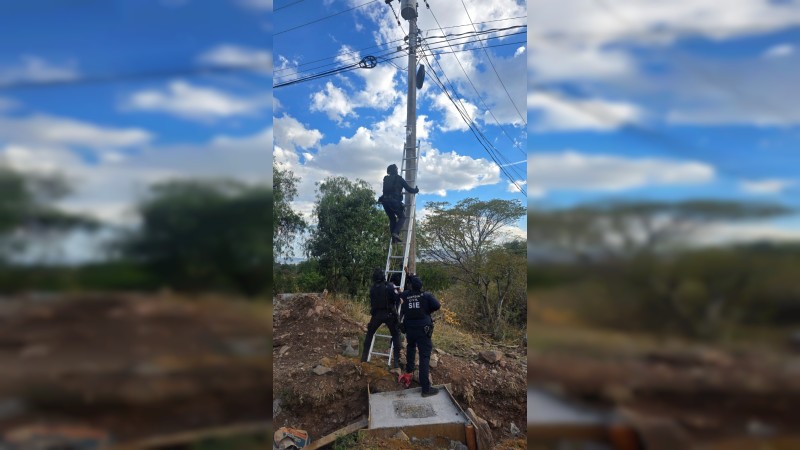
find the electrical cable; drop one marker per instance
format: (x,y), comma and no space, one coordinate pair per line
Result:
(493,67)
(323,18)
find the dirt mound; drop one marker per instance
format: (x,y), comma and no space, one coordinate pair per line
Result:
(132,365)
(310,332)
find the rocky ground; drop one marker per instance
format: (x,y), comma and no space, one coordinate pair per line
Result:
(715,397)
(125,367)
(321,385)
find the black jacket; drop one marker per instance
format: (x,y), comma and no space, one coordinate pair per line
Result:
(382,297)
(417,308)
(393,186)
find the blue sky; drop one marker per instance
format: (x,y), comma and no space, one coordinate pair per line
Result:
(676,100)
(116,96)
(353,123)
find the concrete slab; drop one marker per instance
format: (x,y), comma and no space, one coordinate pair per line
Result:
(546,408)
(408,409)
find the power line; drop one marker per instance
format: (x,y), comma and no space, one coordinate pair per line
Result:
(514,144)
(323,18)
(462,111)
(494,68)
(279,70)
(288,5)
(368,62)
(478,134)
(387,56)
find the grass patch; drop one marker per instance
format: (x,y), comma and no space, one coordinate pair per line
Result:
(346,442)
(452,340)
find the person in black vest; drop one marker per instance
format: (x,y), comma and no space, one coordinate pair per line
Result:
(383,301)
(415,314)
(392,200)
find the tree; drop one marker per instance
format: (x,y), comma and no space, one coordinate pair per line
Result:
(467,238)
(625,230)
(28,212)
(350,236)
(286,223)
(645,273)
(203,234)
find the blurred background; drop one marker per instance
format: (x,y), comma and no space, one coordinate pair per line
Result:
(663,225)
(135,223)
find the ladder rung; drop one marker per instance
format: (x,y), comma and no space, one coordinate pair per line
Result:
(396,257)
(383,335)
(380,354)
(395,271)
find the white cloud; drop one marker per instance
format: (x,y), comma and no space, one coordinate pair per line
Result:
(765,186)
(35,69)
(646,22)
(229,55)
(519,51)
(109,187)
(256,5)
(746,232)
(452,118)
(577,61)
(51,130)
(779,51)
(602,44)
(442,172)
(333,102)
(291,134)
(184,100)
(570,170)
(514,188)
(368,151)
(559,113)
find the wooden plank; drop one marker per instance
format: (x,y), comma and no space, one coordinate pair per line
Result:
(484,434)
(325,440)
(189,437)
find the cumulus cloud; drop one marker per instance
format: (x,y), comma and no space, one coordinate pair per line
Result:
(442,172)
(35,69)
(187,101)
(762,187)
(570,170)
(516,186)
(228,55)
(109,187)
(452,118)
(49,130)
(333,102)
(558,113)
(291,134)
(367,152)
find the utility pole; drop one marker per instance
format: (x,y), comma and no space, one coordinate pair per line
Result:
(408,9)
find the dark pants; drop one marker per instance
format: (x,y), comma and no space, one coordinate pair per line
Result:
(394,209)
(417,338)
(379,318)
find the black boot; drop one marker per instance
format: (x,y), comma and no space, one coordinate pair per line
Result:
(430,392)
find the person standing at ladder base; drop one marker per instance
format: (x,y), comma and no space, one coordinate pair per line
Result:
(392,200)
(415,314)
(383,301)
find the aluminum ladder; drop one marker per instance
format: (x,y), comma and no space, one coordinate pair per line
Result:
(397,258)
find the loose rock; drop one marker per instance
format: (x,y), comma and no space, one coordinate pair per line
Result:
(491,356)
(321,370)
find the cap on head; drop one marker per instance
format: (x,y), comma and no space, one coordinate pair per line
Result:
(377,275)
(392,170)
(416,284)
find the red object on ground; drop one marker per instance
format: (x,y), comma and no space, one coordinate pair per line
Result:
(405,380)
